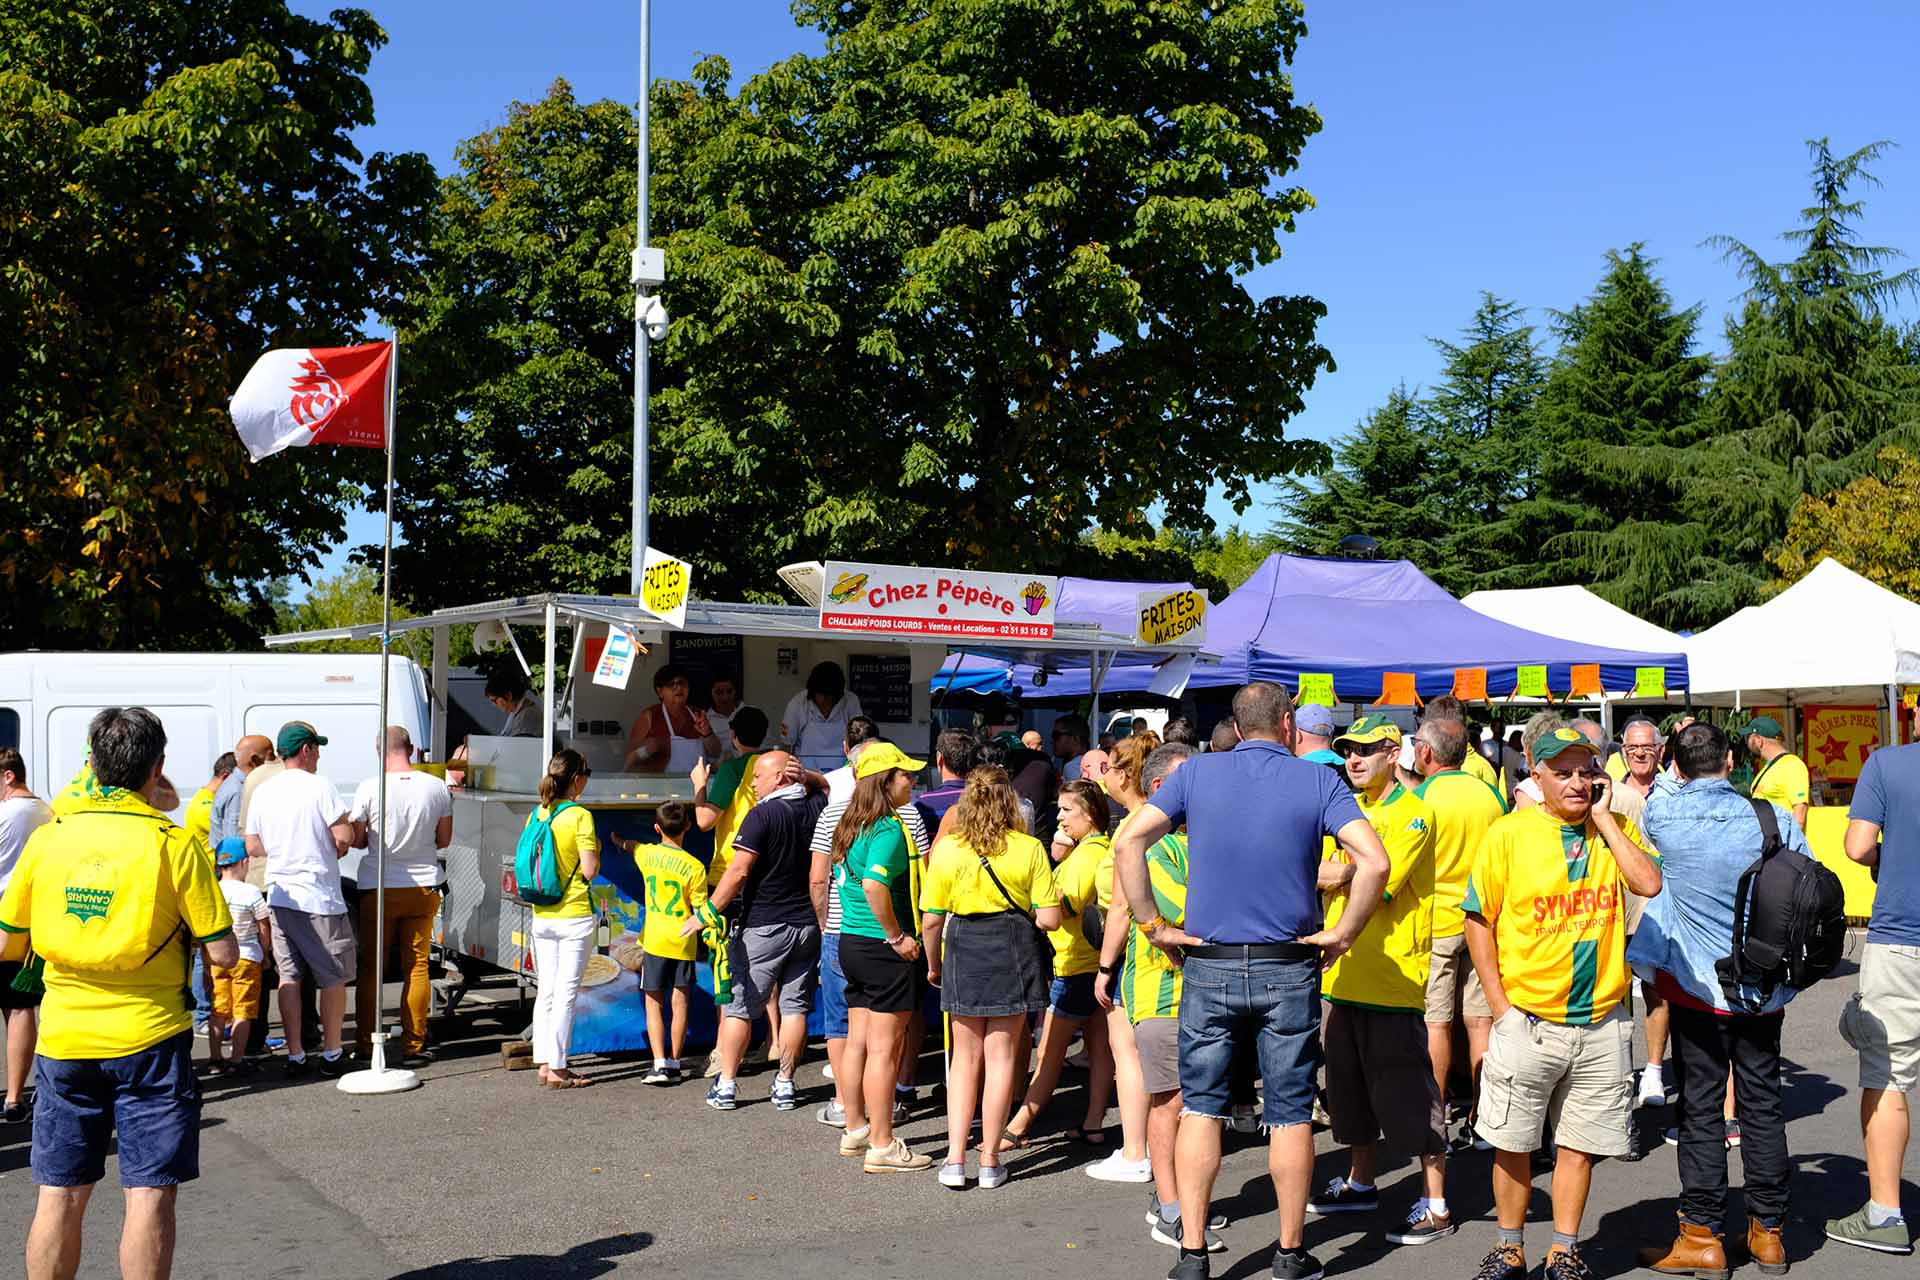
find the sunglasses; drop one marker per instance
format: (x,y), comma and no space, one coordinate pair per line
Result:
(1347,749)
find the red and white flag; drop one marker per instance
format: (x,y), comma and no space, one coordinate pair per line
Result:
(314,395)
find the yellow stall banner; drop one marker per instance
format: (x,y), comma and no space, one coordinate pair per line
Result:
(1826,836)
(1839,740)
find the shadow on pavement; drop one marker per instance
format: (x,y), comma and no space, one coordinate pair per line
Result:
(594,1258)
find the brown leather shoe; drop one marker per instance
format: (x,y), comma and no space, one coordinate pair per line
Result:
(1766,1248)
(1696,1252)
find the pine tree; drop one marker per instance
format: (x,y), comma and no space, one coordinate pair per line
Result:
(1815,383)
(1626,378)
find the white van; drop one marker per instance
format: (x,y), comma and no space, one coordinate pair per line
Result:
(208,702)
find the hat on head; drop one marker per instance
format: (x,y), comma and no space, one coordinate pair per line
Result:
(230,850)
(882,756)
(1561,740)
(1313,718)
(1373,728)
(1765,726)
(294,735)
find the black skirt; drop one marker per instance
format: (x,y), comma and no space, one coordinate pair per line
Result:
(993,967)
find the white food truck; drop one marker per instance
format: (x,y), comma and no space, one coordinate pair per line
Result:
(888,627)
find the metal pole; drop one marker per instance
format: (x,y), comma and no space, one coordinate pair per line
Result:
(637,562)
(386,662)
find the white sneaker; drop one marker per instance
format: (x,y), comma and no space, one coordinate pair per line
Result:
(1117,1168)
(1653,1088)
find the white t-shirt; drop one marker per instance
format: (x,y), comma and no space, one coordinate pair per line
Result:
(291,813)
(840,785)
(18,819)
(415,804)
(248,907)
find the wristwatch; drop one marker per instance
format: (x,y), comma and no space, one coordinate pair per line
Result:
(1109,969)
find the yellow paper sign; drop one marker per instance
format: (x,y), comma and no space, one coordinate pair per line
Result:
(1649,682)
(1316,686)
(1175,615)
(664,586)
(1910,698)
(1530,682)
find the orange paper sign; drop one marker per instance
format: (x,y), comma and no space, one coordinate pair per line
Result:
(1585,679)
(1396,690)
(1470,684)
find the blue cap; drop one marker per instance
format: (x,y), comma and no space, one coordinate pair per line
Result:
(230,850)
(1315,719)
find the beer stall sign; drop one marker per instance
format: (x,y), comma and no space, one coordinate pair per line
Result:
(1168,617)
(913,601)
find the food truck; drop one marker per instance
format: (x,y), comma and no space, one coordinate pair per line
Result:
(889,628)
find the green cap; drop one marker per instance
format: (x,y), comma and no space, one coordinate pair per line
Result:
(1373,728)
(1561,740)
(294,735)
(1765,726)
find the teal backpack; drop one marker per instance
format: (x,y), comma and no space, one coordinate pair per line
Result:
(536,860)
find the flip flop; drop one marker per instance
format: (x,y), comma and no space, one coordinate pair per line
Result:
(569,1082)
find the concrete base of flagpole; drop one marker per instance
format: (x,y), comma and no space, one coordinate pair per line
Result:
(378,1079)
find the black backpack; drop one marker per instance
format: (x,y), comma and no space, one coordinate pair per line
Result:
(1789,920)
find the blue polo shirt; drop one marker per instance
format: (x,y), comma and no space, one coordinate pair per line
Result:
(1256,817)
(1888,795)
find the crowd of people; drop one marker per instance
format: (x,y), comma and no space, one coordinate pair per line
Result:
(1283,924)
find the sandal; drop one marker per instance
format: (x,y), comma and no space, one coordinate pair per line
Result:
(1091,1137)
(1008,1142)
(568,1082)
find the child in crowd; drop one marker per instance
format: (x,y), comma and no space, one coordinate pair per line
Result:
(236,991)
(676,888)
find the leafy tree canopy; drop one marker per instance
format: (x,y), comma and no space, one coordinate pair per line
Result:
(1872,526)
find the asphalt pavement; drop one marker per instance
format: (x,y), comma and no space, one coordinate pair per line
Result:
(483,1176)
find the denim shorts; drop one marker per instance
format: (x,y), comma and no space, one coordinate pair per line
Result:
(1072,997)
(833,988)
(1274,1002)
(149,1098)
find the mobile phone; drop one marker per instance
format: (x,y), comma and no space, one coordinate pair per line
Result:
(1599,791)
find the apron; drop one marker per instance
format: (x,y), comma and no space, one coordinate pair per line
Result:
(682,753)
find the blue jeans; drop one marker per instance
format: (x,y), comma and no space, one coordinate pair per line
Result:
(1277,1004)
(149,1100)
(833,988)
(202,989)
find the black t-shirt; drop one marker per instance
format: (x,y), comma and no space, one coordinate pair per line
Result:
(1036,781)
(779,833)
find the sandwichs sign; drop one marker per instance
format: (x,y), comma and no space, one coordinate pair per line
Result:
(937,602)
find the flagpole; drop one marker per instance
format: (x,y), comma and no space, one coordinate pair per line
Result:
(378,1078)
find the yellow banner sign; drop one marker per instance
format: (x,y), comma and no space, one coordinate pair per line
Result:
(1839,740)
(1166,617)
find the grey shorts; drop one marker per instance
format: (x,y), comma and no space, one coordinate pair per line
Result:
(765,956)
(1882,1020)
(311,948)
(1159,1043)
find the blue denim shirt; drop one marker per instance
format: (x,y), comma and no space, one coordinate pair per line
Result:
(1707,836)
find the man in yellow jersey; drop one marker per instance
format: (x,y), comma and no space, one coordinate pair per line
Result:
(1779,775)
(1379,1078)
(1464,806)
(1448,707)
(1546,926)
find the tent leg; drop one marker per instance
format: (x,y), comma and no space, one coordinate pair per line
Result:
(437,734)
(1101,663)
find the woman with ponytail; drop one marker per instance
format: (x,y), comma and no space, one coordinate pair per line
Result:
(989,891)
(562,933)
(876,874)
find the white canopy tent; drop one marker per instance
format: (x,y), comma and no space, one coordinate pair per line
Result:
(1832,637)
(1574,613)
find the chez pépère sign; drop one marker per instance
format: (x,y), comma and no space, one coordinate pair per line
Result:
(937,602)
(1169,617)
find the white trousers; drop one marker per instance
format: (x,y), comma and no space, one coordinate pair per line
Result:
(560,951)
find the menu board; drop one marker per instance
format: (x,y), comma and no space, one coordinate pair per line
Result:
(705,658)
(884,685)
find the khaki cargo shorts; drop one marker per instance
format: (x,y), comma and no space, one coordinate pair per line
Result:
(1882,1021)
(1449,976)
(1580,1078)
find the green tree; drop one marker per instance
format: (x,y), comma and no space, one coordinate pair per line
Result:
(182,193)
(1381,484)
(1627,377)
(1816,381)
(1872,526)
(961,287)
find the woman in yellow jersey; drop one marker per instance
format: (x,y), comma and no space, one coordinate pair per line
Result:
(1080,847)
(562,933)
(1126,783)
(988,888)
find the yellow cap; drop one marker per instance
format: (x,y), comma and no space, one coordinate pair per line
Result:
(879,757)
(1368,729)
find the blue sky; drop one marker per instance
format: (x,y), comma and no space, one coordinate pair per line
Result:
(1494,145)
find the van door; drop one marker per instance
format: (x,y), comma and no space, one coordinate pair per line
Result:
(16,720)
(194,742)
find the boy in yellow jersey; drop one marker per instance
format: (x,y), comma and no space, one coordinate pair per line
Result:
(1464,806)
(676,888)
(1379,1078)
(1778,774)
(1546,925)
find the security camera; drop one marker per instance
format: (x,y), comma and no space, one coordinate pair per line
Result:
(653,314)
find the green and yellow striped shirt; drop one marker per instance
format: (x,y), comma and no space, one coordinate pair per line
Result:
(1150,981)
